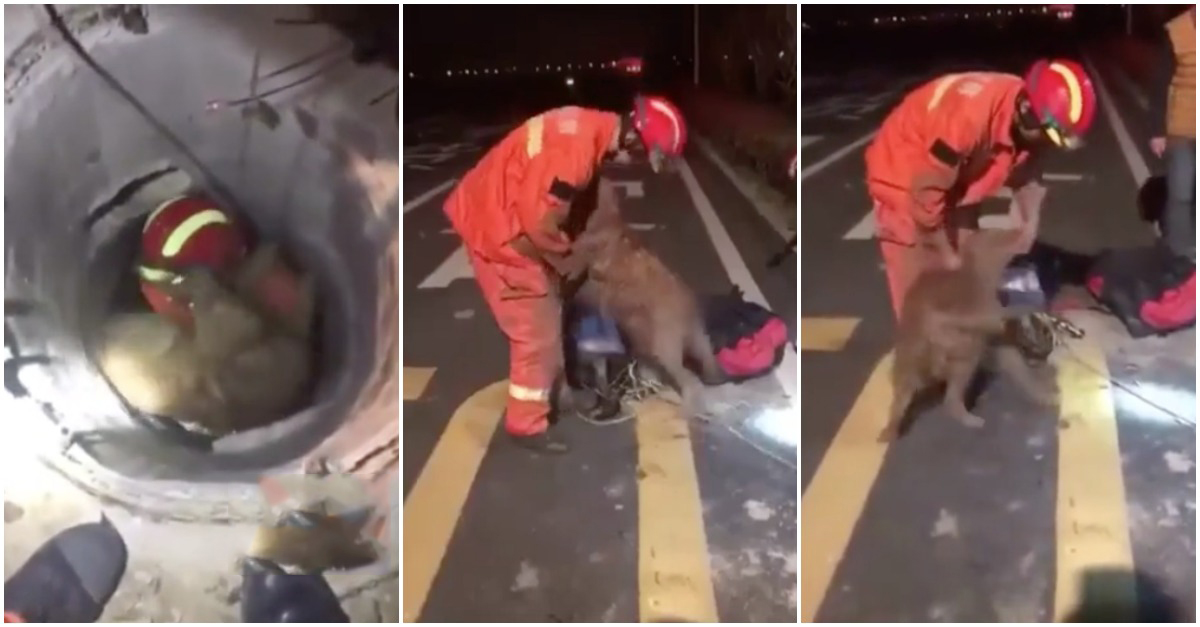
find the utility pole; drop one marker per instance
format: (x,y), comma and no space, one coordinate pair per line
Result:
(696,45)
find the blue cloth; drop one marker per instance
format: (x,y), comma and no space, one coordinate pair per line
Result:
(595,334)
(1020,288)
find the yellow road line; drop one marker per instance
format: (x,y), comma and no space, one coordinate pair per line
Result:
(826,334)
(674,580)
(415,381)
(835,497)
(1092,533)
(435,503)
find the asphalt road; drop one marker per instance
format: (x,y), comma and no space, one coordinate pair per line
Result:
(655,519)
(1041,510)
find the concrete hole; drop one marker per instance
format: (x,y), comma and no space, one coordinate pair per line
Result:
(73,146)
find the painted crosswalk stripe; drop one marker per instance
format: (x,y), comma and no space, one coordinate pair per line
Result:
(674,578)
(838,492)
(415,381)
(1133,157)
(435,503)
(428,195)
(826,334)
(1092,529)
(456,266)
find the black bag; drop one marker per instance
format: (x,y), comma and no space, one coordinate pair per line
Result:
(748,339)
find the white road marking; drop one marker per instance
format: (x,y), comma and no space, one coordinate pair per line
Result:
(838,154)
(1135,92)
(1052,176)
(633,189)
(735,267)
(1133,158)
(865,228)
(455,267)
(809,139)
(772,218)
(423,198)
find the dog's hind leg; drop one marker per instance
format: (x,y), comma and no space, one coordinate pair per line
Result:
(669,353)
(699,348)
(904,387)
(958,379)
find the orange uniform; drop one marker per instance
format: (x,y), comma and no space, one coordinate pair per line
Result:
(948,145)
(523,187)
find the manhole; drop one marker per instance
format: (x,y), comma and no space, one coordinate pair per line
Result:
(74,146)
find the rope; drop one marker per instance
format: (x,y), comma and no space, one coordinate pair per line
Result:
(1129,390)
(635,389)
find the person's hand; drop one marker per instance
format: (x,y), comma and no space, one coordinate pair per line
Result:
(1158,146)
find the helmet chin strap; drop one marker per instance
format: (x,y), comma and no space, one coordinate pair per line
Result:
(627,133)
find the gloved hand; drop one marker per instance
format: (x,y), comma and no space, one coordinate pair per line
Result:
(270,595)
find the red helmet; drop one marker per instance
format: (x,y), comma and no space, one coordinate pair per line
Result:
(1062,98)
(181,233)
(661,127)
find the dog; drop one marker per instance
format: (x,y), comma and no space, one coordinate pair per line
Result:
(949,321)
(231,372)
(655,310)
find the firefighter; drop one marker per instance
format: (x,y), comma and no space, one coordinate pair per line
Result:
(190,232)
(511,211)
(955,141)
(228,345)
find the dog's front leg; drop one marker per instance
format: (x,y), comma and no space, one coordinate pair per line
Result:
(958,379)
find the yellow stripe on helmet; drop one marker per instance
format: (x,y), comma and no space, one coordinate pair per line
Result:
(186,229)
(156,275)
(662,108)
(1073,88)
(1055,136)
(157,210)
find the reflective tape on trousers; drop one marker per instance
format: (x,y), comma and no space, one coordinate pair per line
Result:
(522,393)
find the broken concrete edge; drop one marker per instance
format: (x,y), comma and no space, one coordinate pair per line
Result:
(756,191)
(41,39)
(46,443)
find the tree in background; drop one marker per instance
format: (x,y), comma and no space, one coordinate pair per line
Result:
(753,50)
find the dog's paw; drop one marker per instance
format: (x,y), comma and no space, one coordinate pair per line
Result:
(887,434)
(1045,398)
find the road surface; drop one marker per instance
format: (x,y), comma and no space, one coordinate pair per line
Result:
(1021,520)
(652,519)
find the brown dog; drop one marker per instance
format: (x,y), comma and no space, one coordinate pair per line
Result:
(234,371)
(950,319)
(652,306)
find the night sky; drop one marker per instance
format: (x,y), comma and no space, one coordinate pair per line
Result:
(454,36)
